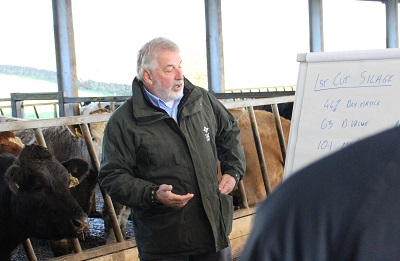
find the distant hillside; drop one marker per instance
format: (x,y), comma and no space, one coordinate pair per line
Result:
(41,74)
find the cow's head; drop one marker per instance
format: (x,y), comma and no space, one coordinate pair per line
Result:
(96,128)
(41,200)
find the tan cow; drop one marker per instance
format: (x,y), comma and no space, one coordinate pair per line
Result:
(10,143)
(253,181)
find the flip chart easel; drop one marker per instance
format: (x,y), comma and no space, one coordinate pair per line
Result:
(341,97)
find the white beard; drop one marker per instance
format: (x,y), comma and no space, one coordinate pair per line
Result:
(167,94)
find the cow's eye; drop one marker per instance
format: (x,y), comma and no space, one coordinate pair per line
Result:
(38,187)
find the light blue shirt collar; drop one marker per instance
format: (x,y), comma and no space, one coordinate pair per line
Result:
(172,112)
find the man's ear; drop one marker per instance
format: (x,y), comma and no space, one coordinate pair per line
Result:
(13,176)
(147,77)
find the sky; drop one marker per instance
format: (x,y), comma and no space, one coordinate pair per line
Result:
(261,38)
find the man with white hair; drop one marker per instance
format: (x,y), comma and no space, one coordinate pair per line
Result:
(160,157)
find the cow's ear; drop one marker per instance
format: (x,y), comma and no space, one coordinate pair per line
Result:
(78,168)
(75,130)
(14,178)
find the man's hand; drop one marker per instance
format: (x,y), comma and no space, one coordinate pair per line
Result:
(227,184)
(165,196)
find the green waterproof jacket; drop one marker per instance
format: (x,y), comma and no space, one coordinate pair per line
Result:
(144,147)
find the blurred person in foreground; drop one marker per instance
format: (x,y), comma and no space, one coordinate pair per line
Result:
(345,206)
(161,151)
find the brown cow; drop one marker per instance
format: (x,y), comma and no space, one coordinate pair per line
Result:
(10,143)
(253,180)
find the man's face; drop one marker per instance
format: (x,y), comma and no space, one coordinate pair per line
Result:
(166,82)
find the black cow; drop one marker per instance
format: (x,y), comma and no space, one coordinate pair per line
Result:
(65,143)
(285,109)
(35,198)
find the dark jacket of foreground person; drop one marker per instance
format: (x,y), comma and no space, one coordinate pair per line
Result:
(153,149)
(343,207)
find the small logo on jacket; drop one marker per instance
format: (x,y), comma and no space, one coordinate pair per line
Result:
(207,133)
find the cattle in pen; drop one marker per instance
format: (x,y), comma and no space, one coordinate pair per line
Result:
(253,181)
(35,198)
(65,142)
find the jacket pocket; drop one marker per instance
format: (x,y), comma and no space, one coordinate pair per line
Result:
(153,229)
(227,212)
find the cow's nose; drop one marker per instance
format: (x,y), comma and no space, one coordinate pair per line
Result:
(81,223)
